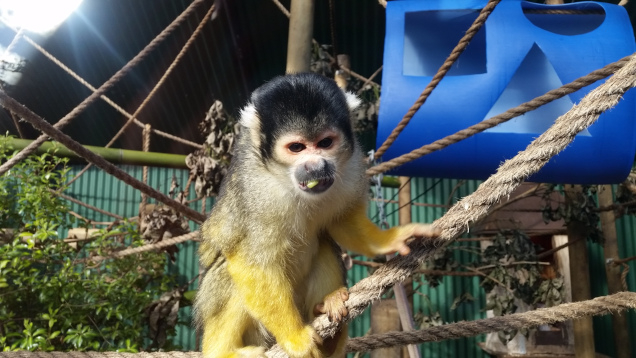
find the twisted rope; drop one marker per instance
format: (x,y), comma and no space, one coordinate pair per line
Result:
(88,206)
(150,247)
(28,150)
(500,118)
(103,97)
(25,354)
(49,130)
(441,72)
(133,117)
(611,304)
(624,276)
(6,52)
(144,170)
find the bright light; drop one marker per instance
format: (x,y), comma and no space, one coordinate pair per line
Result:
(40,16)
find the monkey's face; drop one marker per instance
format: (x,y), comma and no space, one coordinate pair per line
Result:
(298,127)
(312,162)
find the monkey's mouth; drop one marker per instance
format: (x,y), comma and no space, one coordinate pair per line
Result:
(316,186)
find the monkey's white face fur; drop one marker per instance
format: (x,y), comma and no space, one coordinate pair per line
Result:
(313,165)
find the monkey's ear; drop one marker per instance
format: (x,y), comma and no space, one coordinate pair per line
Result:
(251,121)
(352,100)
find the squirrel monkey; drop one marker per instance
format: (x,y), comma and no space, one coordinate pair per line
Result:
(295,185)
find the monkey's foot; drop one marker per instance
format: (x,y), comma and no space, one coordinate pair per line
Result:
(303,344)
(251,352)
(333,305)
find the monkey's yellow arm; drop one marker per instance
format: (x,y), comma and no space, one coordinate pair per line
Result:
(354,231)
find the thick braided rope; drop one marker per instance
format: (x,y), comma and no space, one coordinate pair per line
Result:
(49,130)
(500,118)
(475,206)
(598,306)
(611,304)
(441,72)
(26,354)
(28,150)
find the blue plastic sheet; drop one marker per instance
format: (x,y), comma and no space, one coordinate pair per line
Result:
(521,53)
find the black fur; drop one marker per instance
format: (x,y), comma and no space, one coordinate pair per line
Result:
(305,103)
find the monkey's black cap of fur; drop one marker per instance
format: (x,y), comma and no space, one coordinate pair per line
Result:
(305,103)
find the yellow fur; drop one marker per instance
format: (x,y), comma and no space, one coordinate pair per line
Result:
(354,231)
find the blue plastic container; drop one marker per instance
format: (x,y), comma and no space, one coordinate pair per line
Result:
(521,53)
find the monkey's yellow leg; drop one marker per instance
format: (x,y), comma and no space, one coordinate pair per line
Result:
(268,295)
(325,283)
(223,333)
(354,231)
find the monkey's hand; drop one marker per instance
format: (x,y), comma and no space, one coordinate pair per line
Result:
(403,235)
(333,305)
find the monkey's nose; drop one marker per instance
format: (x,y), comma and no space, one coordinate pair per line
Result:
(315,165)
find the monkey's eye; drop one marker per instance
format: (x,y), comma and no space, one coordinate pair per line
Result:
(325,143)
(296,147)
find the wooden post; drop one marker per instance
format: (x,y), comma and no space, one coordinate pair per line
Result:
(301,27)
(580,278)
(404,292)
(385,318)
(613,272)
(404,203)
(342,77)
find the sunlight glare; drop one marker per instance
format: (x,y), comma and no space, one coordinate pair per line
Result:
(40,16)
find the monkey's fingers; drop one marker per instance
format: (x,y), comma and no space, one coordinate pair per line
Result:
(404,250)
(333,305)
(426,230)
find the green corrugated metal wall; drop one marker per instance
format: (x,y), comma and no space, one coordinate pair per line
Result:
(436,194)
(99,189)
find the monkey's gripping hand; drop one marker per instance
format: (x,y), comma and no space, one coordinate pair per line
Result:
(354,231)
(333,305)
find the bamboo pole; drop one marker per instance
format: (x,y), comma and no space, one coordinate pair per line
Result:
(404,291)
(580,277)
(299,44)
(133,157)
(113,155)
